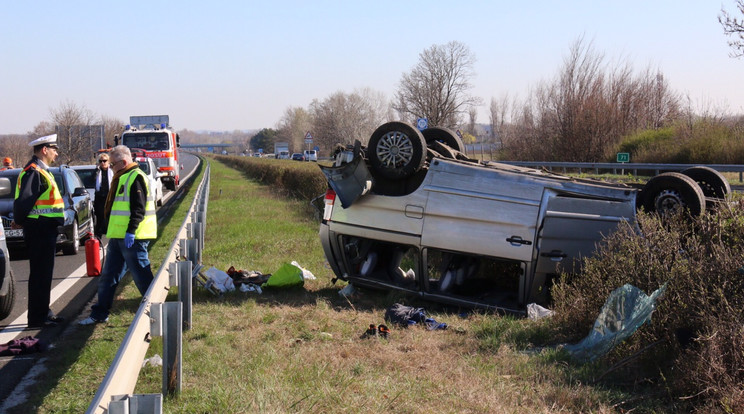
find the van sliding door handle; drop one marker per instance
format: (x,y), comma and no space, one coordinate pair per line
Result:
(517,241)
(554,255)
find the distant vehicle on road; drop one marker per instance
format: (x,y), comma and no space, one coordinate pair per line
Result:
(147,165)
(282,155)
(298,157)
(281,147)
(310,155)
(160,142)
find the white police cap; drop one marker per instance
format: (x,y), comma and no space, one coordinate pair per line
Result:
(47,140)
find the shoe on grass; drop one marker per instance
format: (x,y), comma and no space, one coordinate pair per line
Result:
(371,331)
(91,321)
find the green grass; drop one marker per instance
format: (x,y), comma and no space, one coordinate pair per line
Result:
(299,350)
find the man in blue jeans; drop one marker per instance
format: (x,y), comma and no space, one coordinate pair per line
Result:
(130,209)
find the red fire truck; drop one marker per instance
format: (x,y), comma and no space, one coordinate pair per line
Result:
(154,135)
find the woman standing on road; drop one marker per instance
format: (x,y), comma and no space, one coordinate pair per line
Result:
(104,175)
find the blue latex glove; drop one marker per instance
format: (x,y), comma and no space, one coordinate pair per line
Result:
(129,240)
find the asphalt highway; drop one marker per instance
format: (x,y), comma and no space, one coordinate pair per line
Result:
(72,293)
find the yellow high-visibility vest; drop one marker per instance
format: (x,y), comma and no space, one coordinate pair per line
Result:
(120,213)
(49,203)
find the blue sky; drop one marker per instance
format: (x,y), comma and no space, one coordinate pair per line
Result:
(226,65)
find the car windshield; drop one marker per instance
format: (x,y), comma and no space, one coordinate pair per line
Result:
(145,167)
(88,177)
(152,141)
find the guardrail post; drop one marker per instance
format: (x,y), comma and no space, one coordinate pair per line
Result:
(189,250)
(119,404)
(136,404)
(196,231)
(172,348)
(199,216)
(156,319)
(184,292)
(173,274)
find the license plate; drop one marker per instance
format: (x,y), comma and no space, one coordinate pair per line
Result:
(14,233)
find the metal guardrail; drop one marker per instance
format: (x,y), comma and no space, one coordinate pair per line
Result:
(115,392)
(614,167)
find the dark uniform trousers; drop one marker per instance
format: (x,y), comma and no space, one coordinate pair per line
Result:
(41,242)
(99,204)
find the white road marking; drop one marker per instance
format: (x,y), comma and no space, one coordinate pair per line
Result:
(13,330)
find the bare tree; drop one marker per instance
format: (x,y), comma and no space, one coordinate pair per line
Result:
(343,118)
(293,127)
(472,119)
(41,129)
(498,111)
(16,147)
(111,127)
(75,136)
(437,87)
(587,109)
(734,27)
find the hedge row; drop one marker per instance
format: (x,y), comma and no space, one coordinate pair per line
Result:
(301,180)
(692,348)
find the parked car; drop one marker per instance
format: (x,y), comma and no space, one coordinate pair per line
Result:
(310,155)
(147,165)
(87,174)
(7,283)
(282,155)
(298,157)
(411,212)
(78,222)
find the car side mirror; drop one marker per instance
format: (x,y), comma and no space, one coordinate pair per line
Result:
(79,192)
(5,187)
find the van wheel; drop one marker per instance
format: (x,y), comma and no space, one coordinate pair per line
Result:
(445,136)
(670,192)
(713,183)
(396,150)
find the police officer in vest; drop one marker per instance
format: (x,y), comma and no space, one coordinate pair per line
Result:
(39,209)
(130,209)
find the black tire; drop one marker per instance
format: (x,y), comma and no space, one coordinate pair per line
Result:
(396,150)
(91,227)
(72,247)
(7,300)
(442,149)
(445,136)
(713,183)
(668,192)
